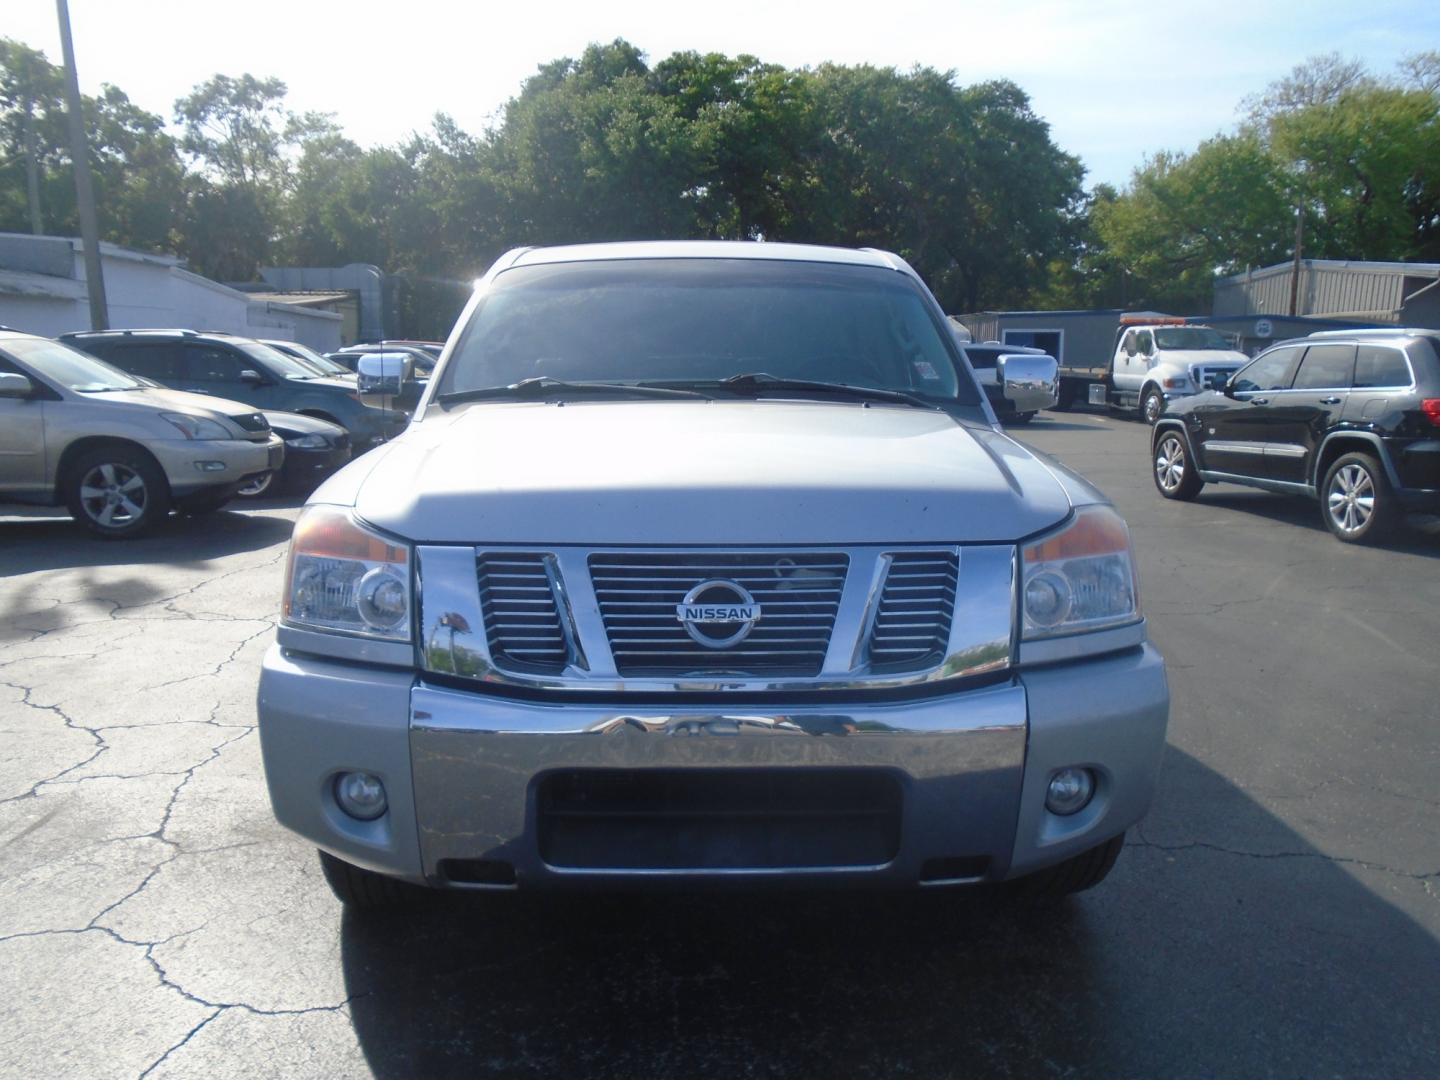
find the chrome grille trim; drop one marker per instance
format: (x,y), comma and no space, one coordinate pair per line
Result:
(798,593)
(456,638)
(913,615)
(521,611)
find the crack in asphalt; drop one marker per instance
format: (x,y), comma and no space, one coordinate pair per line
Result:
(1205,845)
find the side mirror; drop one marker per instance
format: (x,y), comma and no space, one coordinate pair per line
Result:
(254,378)
(1030,382)
(383,377)
(15,386)
(1130,349)
(1220,382)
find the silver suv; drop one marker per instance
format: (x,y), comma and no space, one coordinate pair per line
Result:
(119,452)
(706,561)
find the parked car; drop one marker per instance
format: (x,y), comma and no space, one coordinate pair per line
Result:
(1017,399)
(117,453)
(244,370)
(1351,418)
(321,363)
(314,449)
(767,599)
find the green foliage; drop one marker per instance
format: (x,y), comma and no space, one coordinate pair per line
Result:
(965,182)
(1356,155)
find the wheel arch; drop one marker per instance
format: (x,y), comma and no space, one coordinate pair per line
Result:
(85,444)
(1170,423)
(1344,442)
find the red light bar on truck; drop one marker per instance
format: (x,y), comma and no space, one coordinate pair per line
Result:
(1152,320)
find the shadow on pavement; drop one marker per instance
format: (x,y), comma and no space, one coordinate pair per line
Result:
(31,544)
(1188,962)
(1416,535)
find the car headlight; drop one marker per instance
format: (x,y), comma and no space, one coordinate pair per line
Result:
(197,427)
(344,577)
(308,442)
(1080,577)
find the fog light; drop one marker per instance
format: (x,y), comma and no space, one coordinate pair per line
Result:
(210,466)
(1070,791)
(360,795)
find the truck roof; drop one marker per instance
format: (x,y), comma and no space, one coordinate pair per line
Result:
(704,249)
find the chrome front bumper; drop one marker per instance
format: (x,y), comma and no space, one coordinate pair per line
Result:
(462,768)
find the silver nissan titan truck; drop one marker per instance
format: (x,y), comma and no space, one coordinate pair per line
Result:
(706,562)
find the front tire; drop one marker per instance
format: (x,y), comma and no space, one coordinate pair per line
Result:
(1151,406)
(364,890)
(260,487)
(1356,500)
(1076,874)
(117,492)
(1020,418)
(1174,473)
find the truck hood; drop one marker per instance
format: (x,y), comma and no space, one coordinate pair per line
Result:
(1205,357)
(679,472)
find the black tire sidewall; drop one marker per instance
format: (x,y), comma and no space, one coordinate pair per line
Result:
(157,489)
(1381,517)
(1190,483)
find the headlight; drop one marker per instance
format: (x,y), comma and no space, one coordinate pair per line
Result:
(197,427)
(308,442)
(1081,577)
(342,576)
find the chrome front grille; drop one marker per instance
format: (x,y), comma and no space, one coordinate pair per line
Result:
(916,606)
(521,611)
(798,594)
(605,620)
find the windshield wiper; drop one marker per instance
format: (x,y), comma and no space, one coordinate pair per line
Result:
(544,386)
(759,382)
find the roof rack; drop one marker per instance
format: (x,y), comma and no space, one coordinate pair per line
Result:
(178,331)
(1378,331)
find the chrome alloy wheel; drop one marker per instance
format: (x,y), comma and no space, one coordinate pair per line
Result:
(114,495)
(257,487)
(1152,407)
(1170,464)
(1351,498)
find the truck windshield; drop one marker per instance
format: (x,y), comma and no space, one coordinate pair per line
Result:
(1190,337)
(676,321)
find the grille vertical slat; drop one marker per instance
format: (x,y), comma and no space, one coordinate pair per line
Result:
(917,604)
(798,594)
(522,618)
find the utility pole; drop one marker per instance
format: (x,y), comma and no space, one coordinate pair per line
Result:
(84,190)
(32,170)
(1295,272)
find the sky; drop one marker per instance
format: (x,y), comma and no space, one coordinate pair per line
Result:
(1116,79)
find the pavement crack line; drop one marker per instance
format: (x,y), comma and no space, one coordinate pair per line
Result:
(269,625)
(1203,845)
(100,744)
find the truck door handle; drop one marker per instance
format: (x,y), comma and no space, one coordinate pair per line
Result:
(1329,401)
(1259,401)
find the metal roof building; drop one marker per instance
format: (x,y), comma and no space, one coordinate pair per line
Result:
(1404,294)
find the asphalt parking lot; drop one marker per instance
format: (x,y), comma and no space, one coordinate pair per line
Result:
(1277,914)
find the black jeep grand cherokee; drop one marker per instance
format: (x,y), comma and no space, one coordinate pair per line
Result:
(1351,418)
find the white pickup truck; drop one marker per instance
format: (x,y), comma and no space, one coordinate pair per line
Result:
(1162,359)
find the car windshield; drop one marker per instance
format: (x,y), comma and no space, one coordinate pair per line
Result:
(309,356)
(679,321)
(1190,337)
(69,367)
(276,361)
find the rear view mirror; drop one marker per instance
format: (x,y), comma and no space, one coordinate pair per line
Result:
(15,386)
(1029,381)
(382,377)
(254,378)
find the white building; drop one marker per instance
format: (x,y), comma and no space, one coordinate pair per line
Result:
(43,291)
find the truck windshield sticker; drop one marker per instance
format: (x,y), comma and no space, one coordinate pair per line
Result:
(926,370)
